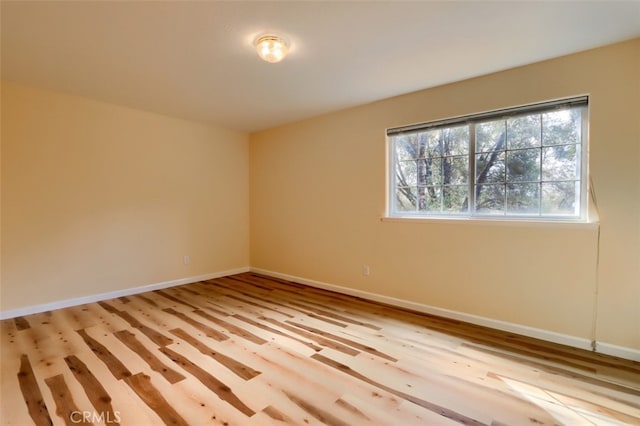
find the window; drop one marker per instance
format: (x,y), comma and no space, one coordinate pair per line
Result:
(526,162)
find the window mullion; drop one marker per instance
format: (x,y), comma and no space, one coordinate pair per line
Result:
(542,166)
(393,184)
(472,168)
(584,164)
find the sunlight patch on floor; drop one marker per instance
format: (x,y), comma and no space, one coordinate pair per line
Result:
(566,414)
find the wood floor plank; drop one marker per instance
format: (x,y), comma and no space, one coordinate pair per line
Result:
(128,408)
(229,287)
(317,412)
(278,332)
(231,328)
(174,299)
(77,317)
(443,411)
(208,331)
(353,409)
(442,386)
(299,375)
(271,297)
(21,323)
(394,411)
(237,367)
(141,384)
(293,300)
(275,414)
(154,335)
(156,365)
(117,368)
(334,315)
(65,406)
(223,391)
(318,339)
(196,298)
(217,309)
(10,366)
(96,393)
(360,346)
(146,299)
(32,394)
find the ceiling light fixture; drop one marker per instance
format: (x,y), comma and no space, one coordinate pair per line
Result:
(271,48)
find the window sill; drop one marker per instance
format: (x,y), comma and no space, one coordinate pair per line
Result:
(520,223)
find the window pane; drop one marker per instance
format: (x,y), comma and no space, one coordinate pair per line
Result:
(523,165)
(562,127)
(455,170)
(456,199)
(406,173)
(490,136)
(489,168)
(490,199)
(405,146)
(430,199)
(559,198)
(433,143)
(405,199)
(523,198)
(456,140)
(560,162)
(523,132)
(429,171)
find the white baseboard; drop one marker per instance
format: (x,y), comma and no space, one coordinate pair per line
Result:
(113,294)
(619,351)
(550,336)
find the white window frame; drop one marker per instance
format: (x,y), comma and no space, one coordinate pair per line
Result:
(582,214)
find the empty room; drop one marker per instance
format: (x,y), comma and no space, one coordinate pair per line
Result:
(320,213)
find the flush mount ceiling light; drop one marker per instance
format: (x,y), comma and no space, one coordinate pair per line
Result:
(271,48)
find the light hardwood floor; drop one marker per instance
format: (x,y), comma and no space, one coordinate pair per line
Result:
(253,350)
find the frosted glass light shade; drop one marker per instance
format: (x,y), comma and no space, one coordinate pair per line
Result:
(271,48)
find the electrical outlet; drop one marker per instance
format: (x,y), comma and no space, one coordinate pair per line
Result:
(186,260)
(365,270)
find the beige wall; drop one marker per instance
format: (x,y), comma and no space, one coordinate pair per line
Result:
(98,198)
(318,192)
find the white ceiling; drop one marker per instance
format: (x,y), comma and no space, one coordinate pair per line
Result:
(195,59)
